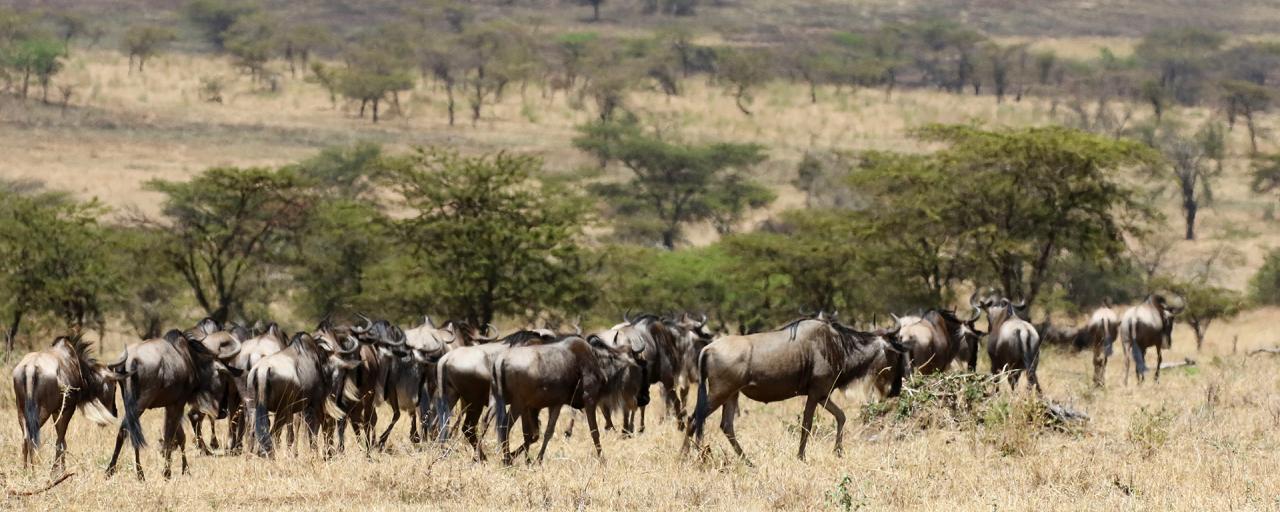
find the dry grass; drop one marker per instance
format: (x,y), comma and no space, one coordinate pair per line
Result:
(1201,439)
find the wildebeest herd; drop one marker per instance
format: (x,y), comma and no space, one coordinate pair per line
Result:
(457,377)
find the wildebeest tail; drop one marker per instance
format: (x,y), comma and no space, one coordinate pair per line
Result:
(261,421)
(499,402)
(442,403)
(702,409)
(30,410)
(1109,332)
(129,394)
(1030,354)
(1139,359)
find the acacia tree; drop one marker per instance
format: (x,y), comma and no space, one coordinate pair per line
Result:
(225,228)
(674,181)
(742,71)
(1188,161)
(1247,100)
(1205,301)
(378,69)
(142,42)
(487,239)
(51,259)
(148,299)
(1019,200)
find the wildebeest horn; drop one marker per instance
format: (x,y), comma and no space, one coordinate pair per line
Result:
(395,341)
(626,316)
(976,313)
(895,318)
(355,345)
(232,353)
(452,336)
(974,302)
(703,321)
(367,324)
(124,356)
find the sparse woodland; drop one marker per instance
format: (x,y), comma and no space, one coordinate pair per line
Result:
(529,164)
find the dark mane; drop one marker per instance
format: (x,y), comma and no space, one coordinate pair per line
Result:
(526,337)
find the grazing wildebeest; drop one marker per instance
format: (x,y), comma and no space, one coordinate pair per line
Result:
(809,357)
(212,336)
(298,379)
(1101,332)
(465,375)
(1149,324)
(1012,342)
(171,373)
(576,372)
(54,382)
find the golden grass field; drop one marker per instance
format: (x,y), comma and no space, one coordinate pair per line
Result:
(1219,447)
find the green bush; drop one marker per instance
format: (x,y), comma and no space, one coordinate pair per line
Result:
(1264,288)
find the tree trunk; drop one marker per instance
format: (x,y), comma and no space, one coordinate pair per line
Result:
(595,11)
(1189,207)
(669,238)
(1253,134)
(13,331)
(448,89)
(738,100)
(375,110)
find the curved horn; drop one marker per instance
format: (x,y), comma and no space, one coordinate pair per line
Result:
(974,302)
(355,345)
(429,323)
(124,356)
(232,353)
(896,320)
(395,341)
(976,313)
(703,321)
(626,316)
(367,324)
(453,336)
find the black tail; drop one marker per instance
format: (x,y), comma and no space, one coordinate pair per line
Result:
(499,403)
(702,409)
(442,404)
(30,411)
(261,421)
(129,393)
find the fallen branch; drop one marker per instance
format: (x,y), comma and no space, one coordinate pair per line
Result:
(1063,413)
(1274,350)
(18,494)
(1185,362)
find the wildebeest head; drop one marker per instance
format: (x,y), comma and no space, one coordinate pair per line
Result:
(625,363)
(898,355)
(98,396)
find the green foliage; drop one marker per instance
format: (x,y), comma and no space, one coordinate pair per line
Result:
(1264,286)
(38,56)
(225,229)
(1015,201)
(150,299)
(1149,429)
(1181,59)
(742,71)
(252,41)
(378,68)
(486,238)
(343,171)
(215,17)
(142,42)
(341,240)
(651,279)
(52,262)
(673,181)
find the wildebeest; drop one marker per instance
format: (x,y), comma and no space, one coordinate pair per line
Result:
(54,382)
(409,380)
(298,379)
(1101,332)
(171,373)
(212,336)
(252,350)
(663,366)
(938,337)
(465,376)
(380,341)
(691,337)
(1012,342)
(809,357)
(1149,324)
(576,372)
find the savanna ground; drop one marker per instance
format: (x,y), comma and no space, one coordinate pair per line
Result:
(1203,438)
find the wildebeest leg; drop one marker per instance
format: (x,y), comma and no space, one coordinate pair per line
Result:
(470,416)
(568,431)
(595,430)
(504,433)
(1159,360)
(1014,376)
(310,418)
(526,428)
(115,454)
(413,426)
(291,434)
(553,413)
(1099,365)
(172,423)
(282,419)
(607,412)
(235,428)
(693,433)
(197,420)
(838,414)
(180,439)
(727,415)
(60,447)
(674,402)
(806,423)
(395,416)
(342,434)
